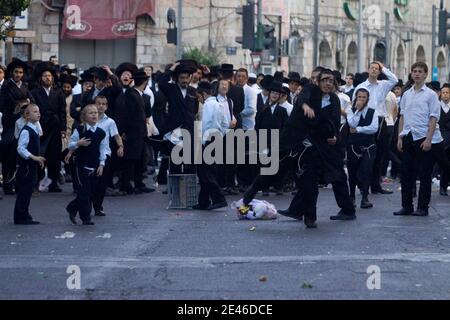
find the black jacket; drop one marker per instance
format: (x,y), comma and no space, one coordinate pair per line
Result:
(110,93)
(52,108)
(238,96)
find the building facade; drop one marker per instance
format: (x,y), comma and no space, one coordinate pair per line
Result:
(213,25)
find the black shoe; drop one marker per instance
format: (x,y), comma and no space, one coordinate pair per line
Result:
(218,205)
(404,212)
(200,208)
(420,213)
(365,204)
(382,191)
(443,192)
(144,190)
(288,214)
(231,191)
(27,223)
(88,223)
(341,216)
(72,216)
(100,213)
(54,190)
(310,224)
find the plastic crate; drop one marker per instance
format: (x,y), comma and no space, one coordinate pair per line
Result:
(183,190)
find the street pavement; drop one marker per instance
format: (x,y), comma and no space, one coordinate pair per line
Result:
(141,250)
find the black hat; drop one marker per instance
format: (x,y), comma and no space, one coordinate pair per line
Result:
(226,67)
(400,83)
(286,91)
(338,77)
(204,86)
(186,66)
(68,78)
(16,63)
(126,66)
(214,71)
(69,68)
(278,76)
(100,73)
(140,75)
(267,82)
(276,87)
(294,77)
(304,82)
(434,85)
(43,67)
(359,78)
(87,76)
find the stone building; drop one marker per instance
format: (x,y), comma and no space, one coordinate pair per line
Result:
(213,25)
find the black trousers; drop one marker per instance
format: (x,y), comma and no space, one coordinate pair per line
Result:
(246,173)
(25,179)
(83,202)
(209,187)
(416,161)
(391,154)
(53,155)
(360,169)
(227,176)
(102,184)
(382,143)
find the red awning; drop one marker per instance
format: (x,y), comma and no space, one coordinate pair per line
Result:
(104,19)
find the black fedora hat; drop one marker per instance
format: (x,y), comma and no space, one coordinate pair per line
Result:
(338,77)
(294,77)
(434,85)
(276,86)
(16,63)
(140,75)
(286,91)
(100,73)
(87,76)
(126,66)
(267,82)
(69,68)
(304,82)
(279,76)
(205,86)
(68,78)
(214,71)
(226,67)
(44,67)
(186,66)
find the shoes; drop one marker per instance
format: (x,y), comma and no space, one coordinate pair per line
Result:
(421,213)
(54,189)
(72,216)
(404,212)
(110,192)
(341,216)
(231,191)
(143,189)
(27,223)
(200,208)
(382,191)
(218,205)
(288,214)
(88,223)
(310,224)
(365,204)
(165,192)
(100,213)
(443,192)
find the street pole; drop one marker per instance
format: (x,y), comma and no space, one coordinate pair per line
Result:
(316,34)
(433,40)
(388,39)
(360,39)
(180,30)
(260,12)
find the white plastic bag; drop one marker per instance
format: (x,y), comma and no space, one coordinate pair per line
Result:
(259,210)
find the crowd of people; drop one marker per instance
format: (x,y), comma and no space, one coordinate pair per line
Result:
(108,129)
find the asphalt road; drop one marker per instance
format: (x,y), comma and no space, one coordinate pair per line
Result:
(141,250)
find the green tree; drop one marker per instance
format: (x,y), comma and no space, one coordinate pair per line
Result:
(207,58)
(8,10)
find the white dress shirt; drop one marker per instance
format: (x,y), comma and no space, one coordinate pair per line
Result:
(347,89)
(24,140)
(346,104)
(391,107)
(104,145)
(354,118)
(225,109)
(445,106)
(149,92)
(20,123)
(379,91)
(289,107)
(418,107)
(249,112)
(109,126)
(213,119)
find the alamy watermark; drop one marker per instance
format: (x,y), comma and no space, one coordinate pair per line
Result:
(374,280)
(74,280)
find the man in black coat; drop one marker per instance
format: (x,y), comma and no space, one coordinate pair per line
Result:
(132,127)
(13,92)
(101,76)
(182,105)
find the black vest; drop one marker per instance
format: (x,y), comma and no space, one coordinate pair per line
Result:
(89,156)
(361,139)
(33,146)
